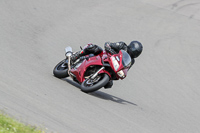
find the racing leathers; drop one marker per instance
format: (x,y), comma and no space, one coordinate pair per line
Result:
(88,49)
(116,47)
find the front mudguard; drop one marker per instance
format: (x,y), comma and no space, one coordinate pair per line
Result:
(104,71)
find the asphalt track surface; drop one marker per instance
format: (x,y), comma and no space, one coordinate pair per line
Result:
(161,93)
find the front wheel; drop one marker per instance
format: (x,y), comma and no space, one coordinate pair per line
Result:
(61,69)
(90,85)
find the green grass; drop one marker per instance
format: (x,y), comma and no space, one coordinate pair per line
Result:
(9,125)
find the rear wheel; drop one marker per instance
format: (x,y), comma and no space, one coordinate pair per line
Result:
(61,69)
(90,85)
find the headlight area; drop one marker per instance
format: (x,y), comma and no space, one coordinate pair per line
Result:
(115,63)
(121,74)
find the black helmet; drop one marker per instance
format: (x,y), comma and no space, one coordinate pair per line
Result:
(135,49)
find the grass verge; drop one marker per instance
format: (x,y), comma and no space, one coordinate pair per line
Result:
(9,125)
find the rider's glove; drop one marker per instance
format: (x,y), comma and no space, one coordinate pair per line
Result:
(109,49)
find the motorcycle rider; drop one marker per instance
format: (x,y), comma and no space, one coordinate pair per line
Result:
(134,49)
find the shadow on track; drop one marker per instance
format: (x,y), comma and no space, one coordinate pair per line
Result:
(106,96)
(102,95)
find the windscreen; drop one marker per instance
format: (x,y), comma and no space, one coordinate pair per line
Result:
(126,59)
(67,49)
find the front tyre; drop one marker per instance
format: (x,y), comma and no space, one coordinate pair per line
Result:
(61,69)
(90,85)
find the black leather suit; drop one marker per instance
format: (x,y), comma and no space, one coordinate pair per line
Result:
(116,47)
(91,49)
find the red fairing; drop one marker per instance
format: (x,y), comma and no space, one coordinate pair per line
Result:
(79,72)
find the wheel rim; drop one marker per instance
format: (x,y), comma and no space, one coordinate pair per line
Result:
(91,82)
(62,66)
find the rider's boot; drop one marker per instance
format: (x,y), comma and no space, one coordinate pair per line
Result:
(109,84)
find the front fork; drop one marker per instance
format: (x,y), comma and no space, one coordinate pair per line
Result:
(94,75)
(69,65)
(101,70)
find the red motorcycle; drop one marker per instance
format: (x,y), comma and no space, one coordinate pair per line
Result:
(94,71)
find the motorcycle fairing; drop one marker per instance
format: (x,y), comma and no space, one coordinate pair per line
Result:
(79,72)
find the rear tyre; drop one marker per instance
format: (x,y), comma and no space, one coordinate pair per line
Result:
(61,69)
(90,85)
